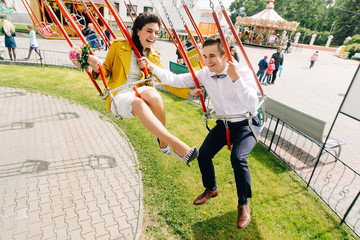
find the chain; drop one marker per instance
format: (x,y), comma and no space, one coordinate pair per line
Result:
(212,6)
(221,4)
(155,8)
(178,10)
(166,14)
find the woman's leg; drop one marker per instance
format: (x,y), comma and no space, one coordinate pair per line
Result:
(154,101)
(14,54)
(9,50)
(142,110)
(38,52)
(30,51)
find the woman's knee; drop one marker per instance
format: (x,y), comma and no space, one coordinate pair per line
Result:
(138,105)
(152,97)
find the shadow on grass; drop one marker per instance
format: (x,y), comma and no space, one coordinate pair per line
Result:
(269,160)
(224,227)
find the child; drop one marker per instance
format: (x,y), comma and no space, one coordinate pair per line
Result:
(33,43)
(269,71)
(314,58)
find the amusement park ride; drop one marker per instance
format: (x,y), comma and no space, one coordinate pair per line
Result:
(67,18)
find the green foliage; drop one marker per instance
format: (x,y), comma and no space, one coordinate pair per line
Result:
(354,39)
(85,53)
(347,20)
(352,49)
(282,206)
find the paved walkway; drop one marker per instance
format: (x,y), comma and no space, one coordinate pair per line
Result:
(66,172)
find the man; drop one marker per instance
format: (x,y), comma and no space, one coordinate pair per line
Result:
(288,46)
(279,59)
(234,53)
(180,59)
(233,91)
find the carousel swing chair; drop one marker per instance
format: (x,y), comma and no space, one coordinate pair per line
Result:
(260,112)
(194,54)
(5,9)
(195,62)
(94,38)
(78,19)
(45,29)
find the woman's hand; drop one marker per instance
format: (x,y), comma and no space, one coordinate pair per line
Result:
(196,92)
(233,71)
(93,62)
(144,62)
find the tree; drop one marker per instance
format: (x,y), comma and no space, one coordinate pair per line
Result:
(347,22)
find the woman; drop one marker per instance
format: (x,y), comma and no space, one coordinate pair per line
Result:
(121,66)
(9,30)
(33,43)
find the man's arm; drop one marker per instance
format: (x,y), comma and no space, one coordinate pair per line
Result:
(166,77)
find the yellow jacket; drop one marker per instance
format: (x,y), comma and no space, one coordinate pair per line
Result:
(117,67)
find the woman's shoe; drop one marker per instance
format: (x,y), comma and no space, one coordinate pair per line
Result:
(166,149)
(187,158)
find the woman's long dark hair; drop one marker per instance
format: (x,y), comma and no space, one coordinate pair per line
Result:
(141,20)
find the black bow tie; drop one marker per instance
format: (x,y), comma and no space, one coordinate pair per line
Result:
(219,76)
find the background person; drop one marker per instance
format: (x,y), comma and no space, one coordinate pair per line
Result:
(314,58)
(233,53)
(122,69)
(279,60)
(33,43)
(263,65)
(269,71)
(9,30)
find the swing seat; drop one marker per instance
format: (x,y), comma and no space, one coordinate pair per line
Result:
(45,30)
(94,41)
(78,19)
(178,68)
(194,59)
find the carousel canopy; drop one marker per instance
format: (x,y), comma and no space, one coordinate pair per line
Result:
(267,18)
(269,13)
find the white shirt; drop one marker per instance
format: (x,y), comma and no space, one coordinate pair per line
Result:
(228,97)
(134,72)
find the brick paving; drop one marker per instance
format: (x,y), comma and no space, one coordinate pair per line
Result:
(65,172)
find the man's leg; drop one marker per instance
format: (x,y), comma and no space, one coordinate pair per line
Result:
(212,144)
(274,76)
(243,143)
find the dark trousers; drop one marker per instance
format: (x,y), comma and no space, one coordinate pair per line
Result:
(274,75)
(243,142)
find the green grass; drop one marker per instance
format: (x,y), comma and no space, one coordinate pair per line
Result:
(21,28)
(282,206)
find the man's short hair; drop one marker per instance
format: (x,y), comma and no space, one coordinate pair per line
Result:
(215,39)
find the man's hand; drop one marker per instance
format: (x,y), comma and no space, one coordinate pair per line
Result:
(196,92)
(93,62)
(144,62)
(233,71)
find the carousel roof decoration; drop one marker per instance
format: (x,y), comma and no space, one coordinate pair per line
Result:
(267,18)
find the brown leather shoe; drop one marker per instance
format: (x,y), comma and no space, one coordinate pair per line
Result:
(207,194)
(244,217)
